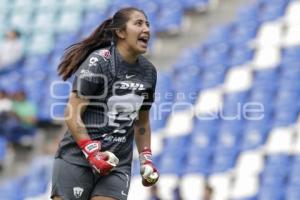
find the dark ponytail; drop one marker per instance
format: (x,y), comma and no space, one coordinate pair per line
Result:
(77,53)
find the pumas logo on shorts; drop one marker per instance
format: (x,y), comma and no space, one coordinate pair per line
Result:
(77,191)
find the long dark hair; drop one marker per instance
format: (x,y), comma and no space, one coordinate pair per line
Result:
(103,36)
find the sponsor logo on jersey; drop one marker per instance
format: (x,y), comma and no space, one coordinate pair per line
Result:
(129,86)
(129,76)
(104,53)
(115,139)
(86,72)
(77,191)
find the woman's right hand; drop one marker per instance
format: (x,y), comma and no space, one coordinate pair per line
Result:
(102,162)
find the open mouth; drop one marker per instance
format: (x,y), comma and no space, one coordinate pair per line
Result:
(144,40)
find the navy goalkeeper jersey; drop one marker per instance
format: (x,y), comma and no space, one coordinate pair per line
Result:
(116,91)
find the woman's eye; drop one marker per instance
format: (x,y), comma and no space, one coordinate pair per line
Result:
(139,23)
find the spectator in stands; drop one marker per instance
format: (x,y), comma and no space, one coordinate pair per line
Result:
(5,109)
(11,49)
(25,110)
(5,102)
(22,121)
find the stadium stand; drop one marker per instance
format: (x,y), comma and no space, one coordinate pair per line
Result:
(247,69)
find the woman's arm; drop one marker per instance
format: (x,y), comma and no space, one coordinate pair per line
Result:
(76,106)
(142,131)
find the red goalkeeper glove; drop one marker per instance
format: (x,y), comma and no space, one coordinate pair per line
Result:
(102,162)
(149,173)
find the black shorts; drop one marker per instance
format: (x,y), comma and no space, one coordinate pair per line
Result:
(74,182)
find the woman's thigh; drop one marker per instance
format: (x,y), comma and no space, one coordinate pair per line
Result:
(71,181)
(114,186)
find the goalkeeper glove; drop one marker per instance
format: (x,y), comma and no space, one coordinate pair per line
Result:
(149,173)
(102,162)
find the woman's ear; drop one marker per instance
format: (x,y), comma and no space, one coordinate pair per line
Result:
(120,33)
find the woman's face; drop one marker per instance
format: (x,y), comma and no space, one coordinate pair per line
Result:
(137,33)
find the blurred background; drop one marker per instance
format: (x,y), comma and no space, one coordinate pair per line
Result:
(225,124)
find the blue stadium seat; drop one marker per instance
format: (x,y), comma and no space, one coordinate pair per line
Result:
(198,162)
(277,167)
(151,8)
(101,6)
(64,40)
(290,71)
(229,134)
(171,144)
(271,192)
(240,55)
(294,173)
(285,116)
(68,21)
(233,104)
(157,119)
(243,32)
(227,139)
(172,162)
(35,186)
(20,20)
(11,82)
(213,76)
(203,126)
(248,13)
(219,34)
(292,192)
(118,4)
(8,189)
(34,88)
(189,57)
(44,21)
(286,98)
(186,89)
(40,43)
(91,20)
(271,11)
(255,134)
(213,57)
(237,97)
(195,4)
(291,52)
(201,142)
(268,74)
(170,16)
(164,96)
(264,96)
(135,167)
(33,63)
(224,160)
(3,148)
(247,198)
(272,178)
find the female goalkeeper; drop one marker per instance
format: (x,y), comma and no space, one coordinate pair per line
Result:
(108,107)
